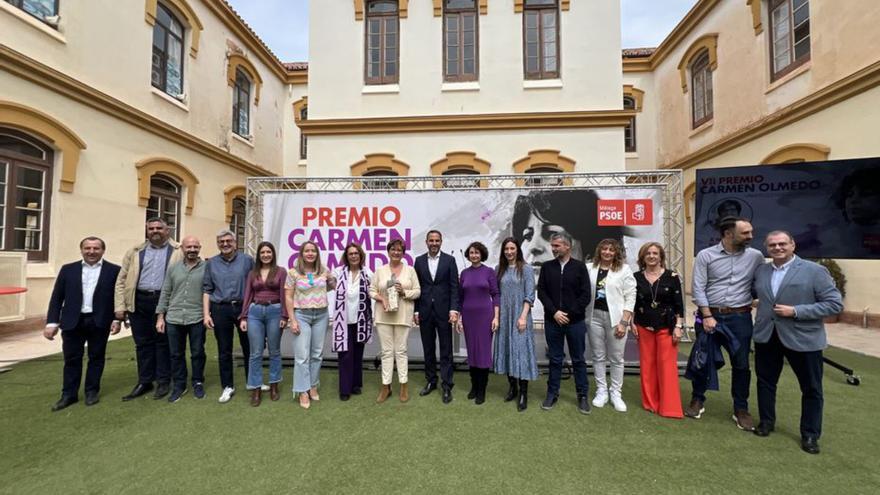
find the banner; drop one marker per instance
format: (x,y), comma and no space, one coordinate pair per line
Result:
(372,219)
(831,208)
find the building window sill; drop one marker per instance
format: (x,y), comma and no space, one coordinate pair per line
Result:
(301,163)
(632,154)
(705,126)
(249,141)
(788,77)
(32,22)
(380,89)
(542,83)
(40,269)
(460,86)
(170,99)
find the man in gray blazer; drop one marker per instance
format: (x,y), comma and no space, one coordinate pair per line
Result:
(793,297)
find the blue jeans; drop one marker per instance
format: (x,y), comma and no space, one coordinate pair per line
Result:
(177,335)
(576,335)
(308,347)
(740,325)
(263,324)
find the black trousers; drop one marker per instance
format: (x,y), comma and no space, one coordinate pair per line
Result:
(73,343)
(435,327)
(225,316)
(151,347)
(807,367)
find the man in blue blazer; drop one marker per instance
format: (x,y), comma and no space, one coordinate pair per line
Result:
(793,297)
(436,310)
(82,307)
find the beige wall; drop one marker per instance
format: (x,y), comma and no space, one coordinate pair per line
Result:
(852,135)
(843,35)
(110,49)
(645,157)
(590,64)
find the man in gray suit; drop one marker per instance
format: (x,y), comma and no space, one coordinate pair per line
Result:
(793,297)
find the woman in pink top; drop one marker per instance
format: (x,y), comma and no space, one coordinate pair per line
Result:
(263,316)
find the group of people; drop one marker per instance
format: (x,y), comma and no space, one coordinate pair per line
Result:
(170,294)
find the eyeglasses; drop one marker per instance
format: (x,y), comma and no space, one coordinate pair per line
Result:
(225,241)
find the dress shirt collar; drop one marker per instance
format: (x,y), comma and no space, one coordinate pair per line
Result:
(785,266)
(96,265)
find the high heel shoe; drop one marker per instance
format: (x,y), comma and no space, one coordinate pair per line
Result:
(305,404)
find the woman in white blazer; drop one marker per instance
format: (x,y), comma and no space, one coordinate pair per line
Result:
(610,315)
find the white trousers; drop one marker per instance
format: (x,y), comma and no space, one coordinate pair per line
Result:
(604,346)
(392,339)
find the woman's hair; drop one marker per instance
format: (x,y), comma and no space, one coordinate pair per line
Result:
(574,210)
(396,242)
(360,251)
(643,251)
(300,262)
(619,253)
(484,253)
(502,261)
(273,265)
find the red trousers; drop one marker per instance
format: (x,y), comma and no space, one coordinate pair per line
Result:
(658,358)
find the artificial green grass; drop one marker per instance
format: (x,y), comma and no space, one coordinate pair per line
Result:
(201,446)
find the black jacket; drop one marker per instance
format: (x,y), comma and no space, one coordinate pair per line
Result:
(567,291)
(441,293)
(67,296)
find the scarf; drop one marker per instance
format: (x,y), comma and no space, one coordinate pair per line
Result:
(340,311)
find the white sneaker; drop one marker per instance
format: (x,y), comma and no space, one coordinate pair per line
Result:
(227,394)
(617,402)
(264,388)
(601,398)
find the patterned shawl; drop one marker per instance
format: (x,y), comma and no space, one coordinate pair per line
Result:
(340,311)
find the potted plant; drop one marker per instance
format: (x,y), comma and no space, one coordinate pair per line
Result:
(839,281)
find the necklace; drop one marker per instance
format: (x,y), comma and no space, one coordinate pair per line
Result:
(654,291)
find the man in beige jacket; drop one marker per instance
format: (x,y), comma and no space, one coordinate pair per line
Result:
(137,295)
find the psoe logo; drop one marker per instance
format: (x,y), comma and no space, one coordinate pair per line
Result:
(617,212)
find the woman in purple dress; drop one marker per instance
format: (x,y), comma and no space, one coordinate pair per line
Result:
(479,317)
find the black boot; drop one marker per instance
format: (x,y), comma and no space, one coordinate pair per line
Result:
(482,383)
(473,392)
(511,391)
(523,401)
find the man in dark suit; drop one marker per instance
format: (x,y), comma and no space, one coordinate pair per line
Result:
(436,310)
(82,307)
(793,297)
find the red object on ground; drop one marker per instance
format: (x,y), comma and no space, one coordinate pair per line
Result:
(7,291)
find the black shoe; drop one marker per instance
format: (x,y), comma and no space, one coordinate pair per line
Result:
(810,445)
(64,402)
(162,390)
(549,402)
(480,398)
(356,391)
(583,405)
(198,390)
(175,396)
(427,389)
(92,399)
(344,397)
(472,393)
(763,429)
(523,401)
(511,390)
(447,395)
(138,390)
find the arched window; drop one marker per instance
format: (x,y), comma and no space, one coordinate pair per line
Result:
(381,184)
(543,181)
(241,104)
(165,202)
(167,68)
(460,35)
(789,35)
(541,39)
(303,140)
(629,132)
(382,42)
(237,223)
(25,194)
(456,178)
(701,96)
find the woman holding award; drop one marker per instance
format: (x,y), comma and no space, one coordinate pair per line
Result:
(394,287)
